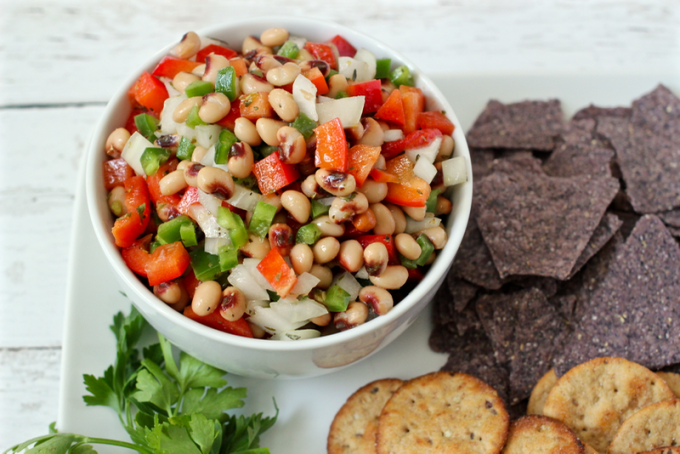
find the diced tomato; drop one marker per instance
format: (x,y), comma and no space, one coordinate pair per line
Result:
(435,120)
(387,240)
(393,109)
(214,48)
(153,182)
(189,198)
(214,320)
(372,92)
(383,177)
(365,221)
(170,66)
(411,190)
(137,255)
(190,282)
(416,139)
(315,76)
(230,120)
(323,52)
(277,272)
(331,146)
(128,228)
(116,171)
(272,174)
(415,275)
(167,262)
(239,65)
(150,92)
(345,49)
(414,103)
(360,160)
(256,105)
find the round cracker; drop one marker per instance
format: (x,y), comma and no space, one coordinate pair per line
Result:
(589,449)
(665,450)
(672,380)
(355,426)
(443,412)
(594,398)
(656,425)
(540,434)
(540,393)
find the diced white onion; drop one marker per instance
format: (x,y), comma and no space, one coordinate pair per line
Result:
(413,226)
(299,311)
(207,135)
(168,125)
(320,99)
(271,321)
(429,151)
(207,222)
(349,284)
(348,110)
(209,160)
(172,91)
(353,69)
(367,57)
(251,305)
(244,198)
(184,130)
(362,273)
(305,283)
(295,335)
(133,150)
(425,169)
(304,94)
(328,201)
(213,245)
(392,135)
(210,202)
(242,280)
(454,171)
(251,265)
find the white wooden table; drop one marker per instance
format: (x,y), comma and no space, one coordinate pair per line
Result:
(60,61)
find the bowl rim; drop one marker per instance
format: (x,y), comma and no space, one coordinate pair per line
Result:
(435,273)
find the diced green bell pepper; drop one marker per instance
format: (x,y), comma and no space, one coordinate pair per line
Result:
(193,119)
(341,94)
(319,209)
(227,83)
(331,73)
(223,146)
(265,150)
(337,299)
(199,88)
(169,232)
(206,266)
(305,125)
(228,258)
(308,234)
(153,246)
(402,76)
(289,50)
(185,149)
(147,126)
(426,248)
(431,204)
(234,223)
(382,68)
(408,263)
(188,234)
(152,158)
(249,182)
(262,219)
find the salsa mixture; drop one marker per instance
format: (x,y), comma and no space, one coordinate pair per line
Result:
(280,191)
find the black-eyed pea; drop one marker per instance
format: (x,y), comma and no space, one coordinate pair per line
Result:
(302,258)
(274,200)
(297,205)
(166,211)
(250,44)
(181,112)
(384,125)
(443,206)
(378,299)
(251,83)
(283,75)
(311,188)
(399,217)
(188,46)
(328,227)
(273,37)
(351,255)
(355,133)
(245,131)
(184,164)
(172,183)
(339,184)
(232,304)
(169,292)
(256,247)
(336,84)
(384,221)
(344,208)
(407,246)
(323,274)
(322,320)
(374,191)
(258,332)
(116,201)
(355,315)
(281,217)
(266,62)
(380,163)
(281,238)
(191,172)
(206,298)
(283,104)
(311,64)
(199,70)
(292,145)
(376,258)
(116,142)
(325,250)
(168,141)
(305,55)
(199,153)
(387,87)
(430,259)
(268,128)
(213,63)
(182,80)
(240,163)
(437,235)
(415,213)
(446,148)
(374,135)
(215,181)
(392,278)
(215,107)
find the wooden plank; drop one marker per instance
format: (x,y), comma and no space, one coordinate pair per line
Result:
(71,51)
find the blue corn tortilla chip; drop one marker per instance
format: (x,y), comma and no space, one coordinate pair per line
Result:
(604,232)
(473,260)
(593,112)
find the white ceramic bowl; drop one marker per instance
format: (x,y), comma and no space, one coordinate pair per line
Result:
(256,357)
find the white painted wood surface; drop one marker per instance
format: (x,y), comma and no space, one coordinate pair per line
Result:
(60,60)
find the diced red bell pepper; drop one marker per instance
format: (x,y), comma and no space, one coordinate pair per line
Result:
(170,66)
(387,240)
(272,174)
(360,160)
(167,262)
(214,320)
(277,272)
(230,120)
(317,78)
(137,255)
(345,49)
(331,146)
(416,139)
(411,191)
(435,120)
(414,103)
(383,177)
(150,92)
(323,52)
(153,182)
(129,227)
(393,109)
(372,92)
(190,282)
(239,65)
(116,171)
(215,49)
(256,105)
(189,198)
(415,275)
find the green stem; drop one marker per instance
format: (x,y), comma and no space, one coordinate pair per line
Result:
(122,444)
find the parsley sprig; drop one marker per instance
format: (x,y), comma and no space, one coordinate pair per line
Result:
(167,407)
